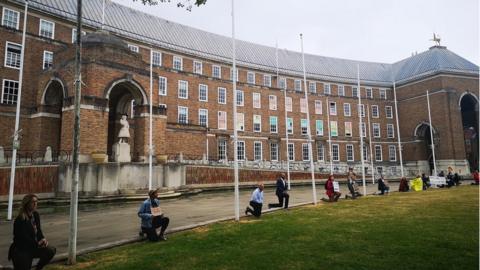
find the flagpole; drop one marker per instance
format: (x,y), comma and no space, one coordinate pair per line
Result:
(235,138)
(103,14)
(431,135)
(370,144)
(150,125)
(361,130)
(398,130)
(329,137)
(16,143)
(310,152)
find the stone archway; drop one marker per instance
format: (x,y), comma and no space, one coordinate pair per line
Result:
(469,110)
(52,103)
(424,148)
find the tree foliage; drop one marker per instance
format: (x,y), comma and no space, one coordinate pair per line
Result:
(187,4)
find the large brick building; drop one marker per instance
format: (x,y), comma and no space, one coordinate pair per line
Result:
(192,95)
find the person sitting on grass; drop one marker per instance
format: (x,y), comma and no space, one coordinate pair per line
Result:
(330,191)
(153,218)
(426,181)
(417,183)
(476,178)
(256,202)
(403,187)
(383,185)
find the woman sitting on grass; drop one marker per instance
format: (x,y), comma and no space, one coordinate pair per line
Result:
(403,185)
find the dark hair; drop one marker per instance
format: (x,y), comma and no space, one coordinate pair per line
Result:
(25,206)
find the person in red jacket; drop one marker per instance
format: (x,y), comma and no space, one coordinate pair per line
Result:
(476,178)
(331,193)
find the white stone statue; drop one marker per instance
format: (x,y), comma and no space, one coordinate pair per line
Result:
(48,155)
(124,132)
(2,155)
(121,149)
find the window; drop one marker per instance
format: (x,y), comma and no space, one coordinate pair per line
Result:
(273,124)
(346,109)
(348,129)
(305,154)
(369,92)
(217,72)
(388,112)
(13,54)
(257,104)
(222,95)
(257,123)
(375,111)
(240,150)
(333,108)
(272,102)
(320,152)
(177,62)
(9,92)
(312,87)
(326,89)
(267,80)
(335,152)
(341,90)
(282,83)
(378,153)
(318,107)
(362,110)
(364,130)
(47,59)
(333,128)
(383,93)
(354,91)
(156,58)
(390,131)
(376,130)
(365,153)
(303,105)
(183,89)
(231,74)
(182,115)
(47,29)
(222,149)
(304,126)
(319,127)
(222,120)
(133,48)
(162,86)
(274,151)
(74,34)
(10,18)
(239,98)
(350,156)
(203,92)
(290,125)
(240,122)
(291,151)
(392,153)
(288,104)
(251,77)
(298,85)
(203,117)
(257,150)
(197,67)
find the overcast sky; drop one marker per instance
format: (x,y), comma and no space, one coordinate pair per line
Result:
(369,30)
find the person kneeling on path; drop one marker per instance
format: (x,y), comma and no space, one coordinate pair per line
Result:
(256,202)
(352,185)
(153,218)
(383,185)
(330,190)
(281,192)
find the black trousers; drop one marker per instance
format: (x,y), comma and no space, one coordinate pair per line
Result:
(257,209)
(157,222)
(281,197)
(22,259)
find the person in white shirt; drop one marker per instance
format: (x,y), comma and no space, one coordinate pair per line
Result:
(256,202)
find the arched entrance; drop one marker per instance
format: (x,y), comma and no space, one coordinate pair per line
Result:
(52,102)
(123,96)
(469,109)
(424,151)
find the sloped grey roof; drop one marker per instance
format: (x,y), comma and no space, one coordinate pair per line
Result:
(140,26)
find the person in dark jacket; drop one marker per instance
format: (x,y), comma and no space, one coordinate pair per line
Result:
(281,192)
(426,181)
(28,239)
(383,185)
(403,185)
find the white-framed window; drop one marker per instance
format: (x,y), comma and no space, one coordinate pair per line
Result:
(272,102)
(182,115)
(222,95)
(341,90)
(10,18)
(203,92)
(318,106)
(203,117)
(46,29)
(273,124)
(378,153)
(364,130)
(390,131)
(182,89)
(216,71)
(305,154)
(47,59)
(348,129)
(319,127)
(297,85)
(347,109)
(362,110)
(161,105)
(365,153)
(162,86)
(312,87)
(375,111)
(267,80)
(156,58)
(393,170)
(251,77)
(333,129)
(388,112)
(333,108)
(197,67)
(290,125)
(291,151)
(222,120)
(13,53)
(320,152)
(335,152)
(133,48)
(231,74)
(282,83)
(369,92)
(383,93)
(177,62)
(240,122)
(74,34)
(240,150)
(288,104)
(257,150)
(392,153)
(350,155)
(304,126)
(303,105)
(257,123)
(9,92)
(257,101)
(274,151)
(376,130)
(354,91)
(222,149)
(326,89)
(240,98)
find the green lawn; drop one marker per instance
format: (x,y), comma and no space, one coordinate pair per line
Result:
(436,229)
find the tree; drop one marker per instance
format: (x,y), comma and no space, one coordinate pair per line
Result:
(183,3)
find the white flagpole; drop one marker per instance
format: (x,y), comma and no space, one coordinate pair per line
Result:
(398,130)
(103,15)
(235,138)
(370,144)
(329,136)
(150,125)
(286,116)
(310,152)
(431,135)
(16,142)
(360,128)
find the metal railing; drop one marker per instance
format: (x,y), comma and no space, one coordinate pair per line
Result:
(36,156)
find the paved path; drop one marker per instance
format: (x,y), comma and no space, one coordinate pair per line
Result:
(107,223)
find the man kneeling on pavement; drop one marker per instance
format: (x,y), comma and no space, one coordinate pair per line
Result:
(281,192)
(152,218)
(256,202)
